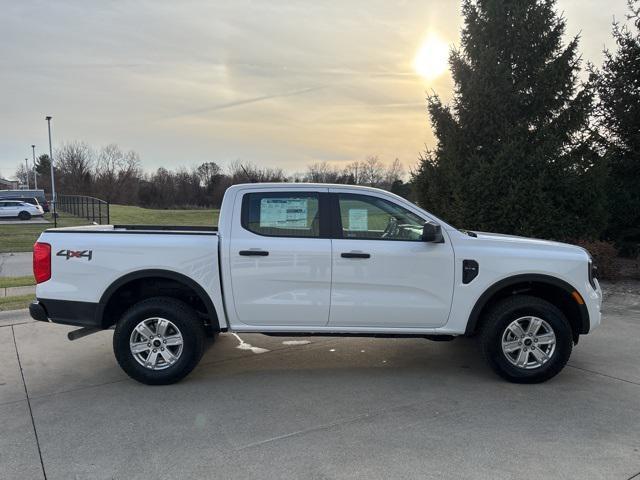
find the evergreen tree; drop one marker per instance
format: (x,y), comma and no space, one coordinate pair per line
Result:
(43,169)
(43,165)
(514,154)
(618,87)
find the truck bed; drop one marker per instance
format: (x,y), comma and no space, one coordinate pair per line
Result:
(173,229)
(88,262)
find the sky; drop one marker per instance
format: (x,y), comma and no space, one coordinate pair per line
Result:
(275,83)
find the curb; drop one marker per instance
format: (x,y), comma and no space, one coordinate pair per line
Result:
(17,291)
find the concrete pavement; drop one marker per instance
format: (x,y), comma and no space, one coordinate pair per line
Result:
(330,408)
(17,221)
(16,264)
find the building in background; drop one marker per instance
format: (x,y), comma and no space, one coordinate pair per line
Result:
(8,184)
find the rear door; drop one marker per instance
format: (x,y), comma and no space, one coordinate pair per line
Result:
(280,257)
(384,275)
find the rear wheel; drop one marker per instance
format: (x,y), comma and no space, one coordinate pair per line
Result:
(24,215)
(159,341)
(526,339)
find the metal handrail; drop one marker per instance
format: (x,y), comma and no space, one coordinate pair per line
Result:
(82,206)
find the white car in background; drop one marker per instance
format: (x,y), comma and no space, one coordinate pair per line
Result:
(22,210)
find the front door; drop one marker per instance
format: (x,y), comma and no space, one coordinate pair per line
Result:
(280,259)
(9,209)
(384,275)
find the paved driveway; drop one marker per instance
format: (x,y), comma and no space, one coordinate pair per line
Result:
(332,408)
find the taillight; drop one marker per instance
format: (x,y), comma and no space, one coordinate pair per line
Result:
(41,262)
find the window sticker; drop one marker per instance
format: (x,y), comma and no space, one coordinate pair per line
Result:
(358,219)
(284,212)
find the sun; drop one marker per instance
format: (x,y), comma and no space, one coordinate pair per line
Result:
(432,58)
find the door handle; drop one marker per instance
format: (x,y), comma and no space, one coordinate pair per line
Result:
(355,255)
(254,253)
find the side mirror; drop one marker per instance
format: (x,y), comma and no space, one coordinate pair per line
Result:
(432,232)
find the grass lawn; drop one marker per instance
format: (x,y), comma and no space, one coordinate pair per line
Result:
(20,238)
(6,282)
(15,303)
(124,214)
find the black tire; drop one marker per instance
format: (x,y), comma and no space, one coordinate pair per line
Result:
(495,324)
(24,215)
(183,317)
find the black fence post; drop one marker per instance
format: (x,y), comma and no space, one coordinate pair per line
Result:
(81,206)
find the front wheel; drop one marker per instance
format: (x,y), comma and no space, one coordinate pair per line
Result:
(526,339)
(159,341)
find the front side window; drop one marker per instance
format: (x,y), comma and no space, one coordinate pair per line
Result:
(282,214)
(367,217)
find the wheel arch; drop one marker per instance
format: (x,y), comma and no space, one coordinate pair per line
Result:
(157,279)
(553,289)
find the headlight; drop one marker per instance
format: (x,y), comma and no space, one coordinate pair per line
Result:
(593,273)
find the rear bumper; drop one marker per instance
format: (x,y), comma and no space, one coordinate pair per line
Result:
(81,314)
(37,312)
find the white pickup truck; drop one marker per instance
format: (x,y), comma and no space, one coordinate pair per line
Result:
(314,259)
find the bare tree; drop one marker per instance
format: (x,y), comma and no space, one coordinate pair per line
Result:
(393,173)
(322,172)
(208,173)
(246,172)
(74,161)
(22,174)
(353,173)
(116,173)
(372,171)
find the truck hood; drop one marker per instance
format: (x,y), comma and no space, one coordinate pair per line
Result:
(529,242)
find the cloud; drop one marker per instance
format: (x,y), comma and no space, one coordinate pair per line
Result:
(297,81)
(246,101)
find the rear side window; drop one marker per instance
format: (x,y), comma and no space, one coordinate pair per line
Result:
(282,214)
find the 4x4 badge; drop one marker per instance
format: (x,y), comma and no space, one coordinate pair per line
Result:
(75,254)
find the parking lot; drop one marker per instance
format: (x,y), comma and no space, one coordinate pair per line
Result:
(323,408)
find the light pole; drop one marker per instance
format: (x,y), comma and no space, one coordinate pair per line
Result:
(26,164)
(53,183)
(35,173)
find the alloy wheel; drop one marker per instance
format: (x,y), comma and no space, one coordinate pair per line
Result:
(156,343)
(528,342)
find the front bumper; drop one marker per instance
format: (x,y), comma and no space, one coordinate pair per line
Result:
(594,304)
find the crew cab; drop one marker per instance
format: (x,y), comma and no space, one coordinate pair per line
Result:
(302,259)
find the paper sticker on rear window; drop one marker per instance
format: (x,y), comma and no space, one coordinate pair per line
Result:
(284,212)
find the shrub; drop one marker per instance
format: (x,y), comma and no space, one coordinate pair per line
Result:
(604,257)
